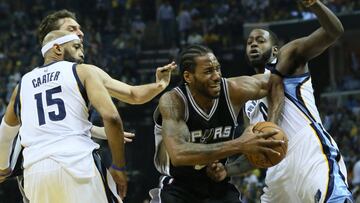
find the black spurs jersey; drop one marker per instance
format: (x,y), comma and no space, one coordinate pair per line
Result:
(216,126)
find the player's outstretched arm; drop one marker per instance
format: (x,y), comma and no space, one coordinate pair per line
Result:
(301,50)
(245,88)
(182,151)
(101,100)
(141,93)
(99,133)
(9,128)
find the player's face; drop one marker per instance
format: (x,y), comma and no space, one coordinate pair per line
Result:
(74,52)
(259,47)
(207,76)
(69,24)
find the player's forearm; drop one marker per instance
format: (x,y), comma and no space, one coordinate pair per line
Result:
(98,132)
(144,93)
(7,136)
(276,99)
(134,94)
(328,20)
(200,154)
(115,133)
(238,167)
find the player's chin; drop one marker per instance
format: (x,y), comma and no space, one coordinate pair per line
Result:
(214,94)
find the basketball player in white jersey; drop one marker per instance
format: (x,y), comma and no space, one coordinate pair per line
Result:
(313,170)
(49,109)
(65,20)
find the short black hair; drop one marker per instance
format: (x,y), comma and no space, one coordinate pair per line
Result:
(188,55)
(51,23)
(274,38)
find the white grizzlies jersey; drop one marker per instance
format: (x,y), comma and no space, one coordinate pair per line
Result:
(295,116)
(53,109)
(311,149)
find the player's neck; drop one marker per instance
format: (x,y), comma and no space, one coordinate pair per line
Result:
(50,59)
(204,102)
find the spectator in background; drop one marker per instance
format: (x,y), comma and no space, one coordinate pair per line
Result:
(137,29)
(166,18)
(184,23)
(195,38)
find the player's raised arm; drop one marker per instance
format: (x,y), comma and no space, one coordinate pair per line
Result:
(100,99)
(9,128)
(176,137)
(141,93)
(304,49)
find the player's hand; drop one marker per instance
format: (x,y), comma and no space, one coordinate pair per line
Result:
(4,174)
(120,179)
(308,3)
(251,142)
(163,74)
(216,171)
(128,137)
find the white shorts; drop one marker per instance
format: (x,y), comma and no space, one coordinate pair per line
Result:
(313,171)
(47,182)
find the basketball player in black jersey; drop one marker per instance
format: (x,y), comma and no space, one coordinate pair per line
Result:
(195,125)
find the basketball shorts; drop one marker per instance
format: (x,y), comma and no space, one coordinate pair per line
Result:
(172,191)
(47,182)
(312,171)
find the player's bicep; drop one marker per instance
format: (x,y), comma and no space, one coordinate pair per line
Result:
(174,128)
(309,47)
(95,89)
(116,88)
(246,88)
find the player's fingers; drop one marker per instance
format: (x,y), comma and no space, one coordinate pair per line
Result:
(272,143)
(126,140)
(266,135)
(127,134)
(270,152)
(167,67)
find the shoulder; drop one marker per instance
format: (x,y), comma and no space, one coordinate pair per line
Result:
(172,105)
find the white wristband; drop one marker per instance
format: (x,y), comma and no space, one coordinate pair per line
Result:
(7,135)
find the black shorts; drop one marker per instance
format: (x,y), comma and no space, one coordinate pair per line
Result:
(173,191)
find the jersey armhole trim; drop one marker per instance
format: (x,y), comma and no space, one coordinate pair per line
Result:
(228,101)
(80,85)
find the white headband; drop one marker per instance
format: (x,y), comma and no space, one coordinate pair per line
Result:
(59,41)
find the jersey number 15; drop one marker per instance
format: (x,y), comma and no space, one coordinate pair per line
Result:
(49,102)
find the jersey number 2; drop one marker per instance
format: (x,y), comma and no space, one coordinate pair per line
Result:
(50,101)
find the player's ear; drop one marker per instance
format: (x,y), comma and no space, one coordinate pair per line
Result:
(58,49)
(187,77)
(275,51)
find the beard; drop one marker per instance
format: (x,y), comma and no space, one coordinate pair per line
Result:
(261,60)
(202,89)
(70,58)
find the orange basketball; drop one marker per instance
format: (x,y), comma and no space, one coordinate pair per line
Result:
(265,160)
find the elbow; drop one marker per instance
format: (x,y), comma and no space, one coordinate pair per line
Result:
(137,101)
(338,32)
(177,161)
(111,117)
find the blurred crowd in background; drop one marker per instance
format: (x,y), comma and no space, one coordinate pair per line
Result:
(119,32)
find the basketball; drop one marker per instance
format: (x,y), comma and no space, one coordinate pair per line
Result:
(265,160)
